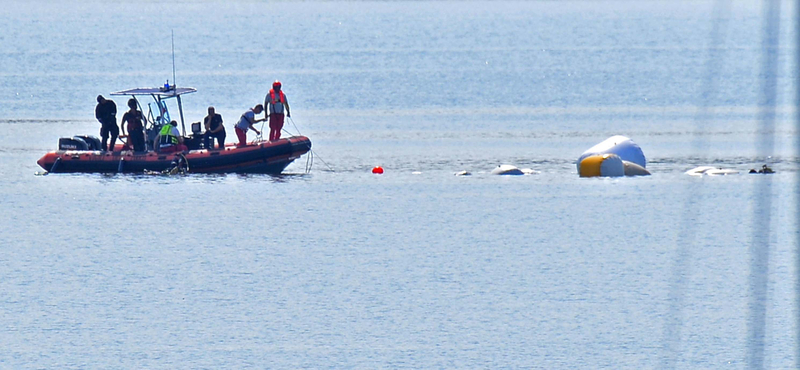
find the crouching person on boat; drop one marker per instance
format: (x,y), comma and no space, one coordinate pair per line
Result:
(246,122)
(170,140)
(214,129)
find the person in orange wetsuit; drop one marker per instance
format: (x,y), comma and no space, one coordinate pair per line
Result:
(275,101)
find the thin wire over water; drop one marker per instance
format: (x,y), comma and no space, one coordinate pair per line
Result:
(759,250)
(687,236)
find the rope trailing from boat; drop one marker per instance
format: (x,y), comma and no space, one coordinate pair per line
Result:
(311,151)
(309,161)
(183,162)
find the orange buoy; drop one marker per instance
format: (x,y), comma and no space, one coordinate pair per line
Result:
(377,170)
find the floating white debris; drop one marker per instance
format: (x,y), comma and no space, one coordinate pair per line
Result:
(711,171)
(506,169)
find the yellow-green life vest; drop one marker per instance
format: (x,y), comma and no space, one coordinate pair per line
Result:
(167,138)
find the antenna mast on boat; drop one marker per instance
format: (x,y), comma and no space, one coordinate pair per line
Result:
(174,82)
(175,85)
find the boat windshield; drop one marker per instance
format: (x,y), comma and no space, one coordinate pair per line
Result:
(159,113)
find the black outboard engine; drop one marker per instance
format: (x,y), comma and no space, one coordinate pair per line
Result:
(74,143)
(92,141)
(84,142)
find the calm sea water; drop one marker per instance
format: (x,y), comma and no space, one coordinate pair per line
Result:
(415,268)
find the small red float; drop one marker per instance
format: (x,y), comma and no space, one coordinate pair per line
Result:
(377,170)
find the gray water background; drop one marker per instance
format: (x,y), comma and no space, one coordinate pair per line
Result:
(415,268)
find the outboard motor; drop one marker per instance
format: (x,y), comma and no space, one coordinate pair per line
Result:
(74,143)
(92,141)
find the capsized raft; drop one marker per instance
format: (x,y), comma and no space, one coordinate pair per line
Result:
(257,157)
(615,156)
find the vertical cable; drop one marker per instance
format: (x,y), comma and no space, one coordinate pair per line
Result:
(797,180)
(681,270)
(758,279)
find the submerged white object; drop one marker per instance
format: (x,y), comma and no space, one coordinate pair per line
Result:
(620,145)
(711,171)
(507,169)
(699,171)
(721,172)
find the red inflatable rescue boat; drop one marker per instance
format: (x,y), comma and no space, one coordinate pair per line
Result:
(258,157)
(83,153)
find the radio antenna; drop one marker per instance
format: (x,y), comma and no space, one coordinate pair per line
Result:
(174,82)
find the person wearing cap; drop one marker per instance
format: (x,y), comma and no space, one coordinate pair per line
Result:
(275,102)
(169,139)
(106,113)
(214,129)
(246,122)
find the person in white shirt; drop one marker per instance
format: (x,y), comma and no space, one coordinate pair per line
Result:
(246,122)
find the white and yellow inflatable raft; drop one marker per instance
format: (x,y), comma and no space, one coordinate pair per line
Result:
(615,156)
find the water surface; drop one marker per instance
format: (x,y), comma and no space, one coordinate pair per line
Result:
(416,268)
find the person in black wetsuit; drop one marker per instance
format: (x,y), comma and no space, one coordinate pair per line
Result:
(214,129)
(134,119)
(764,169)
(106,113)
